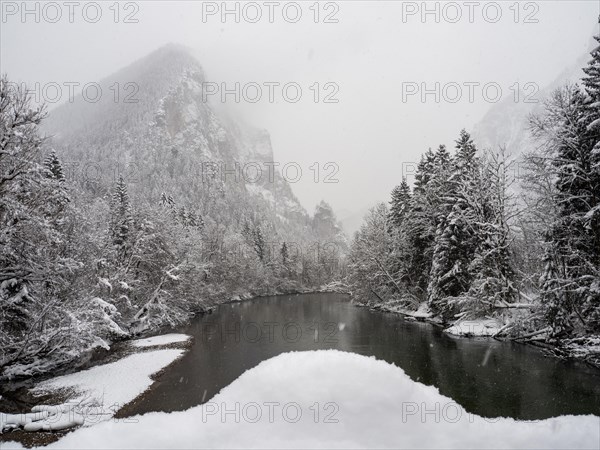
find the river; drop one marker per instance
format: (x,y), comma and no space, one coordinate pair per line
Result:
(486,377)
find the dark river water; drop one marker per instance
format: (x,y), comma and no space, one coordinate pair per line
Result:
(485,376)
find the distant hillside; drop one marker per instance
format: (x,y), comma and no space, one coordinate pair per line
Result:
(164,137)
(506,123)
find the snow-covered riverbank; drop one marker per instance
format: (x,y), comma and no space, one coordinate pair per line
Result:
(586,349)
(465,328)
(326,399)
(96,394)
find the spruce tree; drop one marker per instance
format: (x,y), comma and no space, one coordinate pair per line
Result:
(54,167)
(399,204)
(121,224)
(591,81)
(450,263)
(259,243)
(285,257)
(58,196)
(420,226)
(424,170)
(571,281)
(441,158)
(465,149)
(400,251)
(455,240)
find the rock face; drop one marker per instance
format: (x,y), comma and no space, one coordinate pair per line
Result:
(154,126)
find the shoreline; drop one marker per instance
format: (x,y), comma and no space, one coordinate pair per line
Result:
(98,356)
(23,398)
(548,349)
(29,439)
(85,392)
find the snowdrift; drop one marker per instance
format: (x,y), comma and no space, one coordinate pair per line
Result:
(330,399)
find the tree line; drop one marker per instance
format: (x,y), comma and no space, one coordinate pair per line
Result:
(482,235)
(84,265)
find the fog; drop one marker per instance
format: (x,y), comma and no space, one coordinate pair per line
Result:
(374,52)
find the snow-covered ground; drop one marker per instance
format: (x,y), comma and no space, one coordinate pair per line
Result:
(422,312)
(331,399)
(479,327)
(95,394)
(160,340)
(115,384)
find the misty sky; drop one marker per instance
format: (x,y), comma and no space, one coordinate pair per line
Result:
(369,54)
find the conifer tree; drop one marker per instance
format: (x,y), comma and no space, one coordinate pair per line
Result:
(259,243)
(570,130)
(54,167)
(591,81)
(420,226)
(424,170)
(455,240)
(121,223)
(399,204)
(465,150)
(285,258)
(57,194)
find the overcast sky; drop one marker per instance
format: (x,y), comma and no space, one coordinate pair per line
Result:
(374,52)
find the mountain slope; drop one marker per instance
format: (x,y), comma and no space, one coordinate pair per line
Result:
(153,126)
(506,123)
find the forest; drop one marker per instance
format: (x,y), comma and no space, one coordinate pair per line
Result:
(485,234)
(85,263)
(481,235)
(336,224)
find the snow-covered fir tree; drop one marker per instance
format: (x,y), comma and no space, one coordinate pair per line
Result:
(570,283)
(455,239)
(419,227)
(453,246)
(121,219)
(54,167)
(399,204)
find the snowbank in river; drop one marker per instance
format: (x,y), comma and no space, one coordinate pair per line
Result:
(116,383)
(332,399)
(481,327)
(102,390)
(160,340)
(97,393)
(422,312)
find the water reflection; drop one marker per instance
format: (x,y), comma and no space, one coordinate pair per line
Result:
(486,377)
